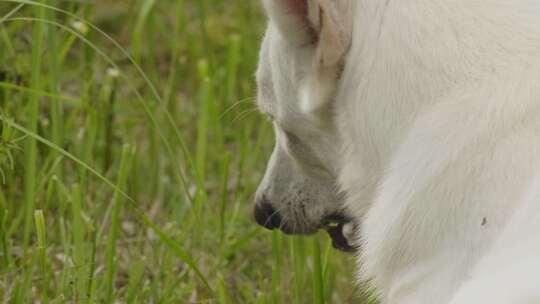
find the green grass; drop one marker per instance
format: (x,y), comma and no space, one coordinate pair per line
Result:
(130,149)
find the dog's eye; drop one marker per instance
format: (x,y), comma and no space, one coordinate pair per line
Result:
(292,139)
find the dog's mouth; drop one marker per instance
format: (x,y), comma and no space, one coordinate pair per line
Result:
(341,230)
(339,227)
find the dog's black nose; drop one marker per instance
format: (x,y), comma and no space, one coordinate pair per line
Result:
(266,216)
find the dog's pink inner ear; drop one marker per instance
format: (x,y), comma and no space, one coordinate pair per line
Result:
(298,7)
(292,19)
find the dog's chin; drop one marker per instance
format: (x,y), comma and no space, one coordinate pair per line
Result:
(289,229)
(340,229)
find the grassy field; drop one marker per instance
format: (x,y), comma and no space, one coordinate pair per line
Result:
(130,149)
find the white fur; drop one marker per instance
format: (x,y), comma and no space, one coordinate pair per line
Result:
(437,114)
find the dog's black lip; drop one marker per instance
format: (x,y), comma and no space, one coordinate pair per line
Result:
(333,224)
(339,241)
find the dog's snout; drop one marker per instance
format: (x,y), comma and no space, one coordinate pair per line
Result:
(266,215)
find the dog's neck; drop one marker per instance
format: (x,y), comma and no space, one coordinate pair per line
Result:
(405,56)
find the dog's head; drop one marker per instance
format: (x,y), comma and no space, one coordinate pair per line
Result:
(301,60)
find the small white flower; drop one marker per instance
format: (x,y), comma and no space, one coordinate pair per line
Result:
(113,72)
(80,26)
(129,227)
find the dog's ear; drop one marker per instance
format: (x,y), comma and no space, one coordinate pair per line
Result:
(331,21)
(325,24)
(291,18)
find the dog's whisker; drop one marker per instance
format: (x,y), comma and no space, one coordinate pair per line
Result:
(244,114)
(236,104)
(270,217)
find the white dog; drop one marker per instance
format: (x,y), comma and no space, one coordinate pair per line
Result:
(418,122)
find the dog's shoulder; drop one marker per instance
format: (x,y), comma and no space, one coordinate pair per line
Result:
(508,273)
(455,179)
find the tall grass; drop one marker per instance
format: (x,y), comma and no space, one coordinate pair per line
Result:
(129,153)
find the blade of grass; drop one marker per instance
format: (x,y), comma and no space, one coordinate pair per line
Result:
(328,273)
(172,79)
(64,277)
(57,119)
(203,22)
(318,276)
(232,66)
(32,124)
(136,272)
(69,100)
(202,132)
(79,246)
(298,255)
(24,282)
(144,12)
(110,254)
(12,12)
(6,41)
(4,213)
(90,289)
(224,195)
(277,252)
(222,291)
(42,254)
